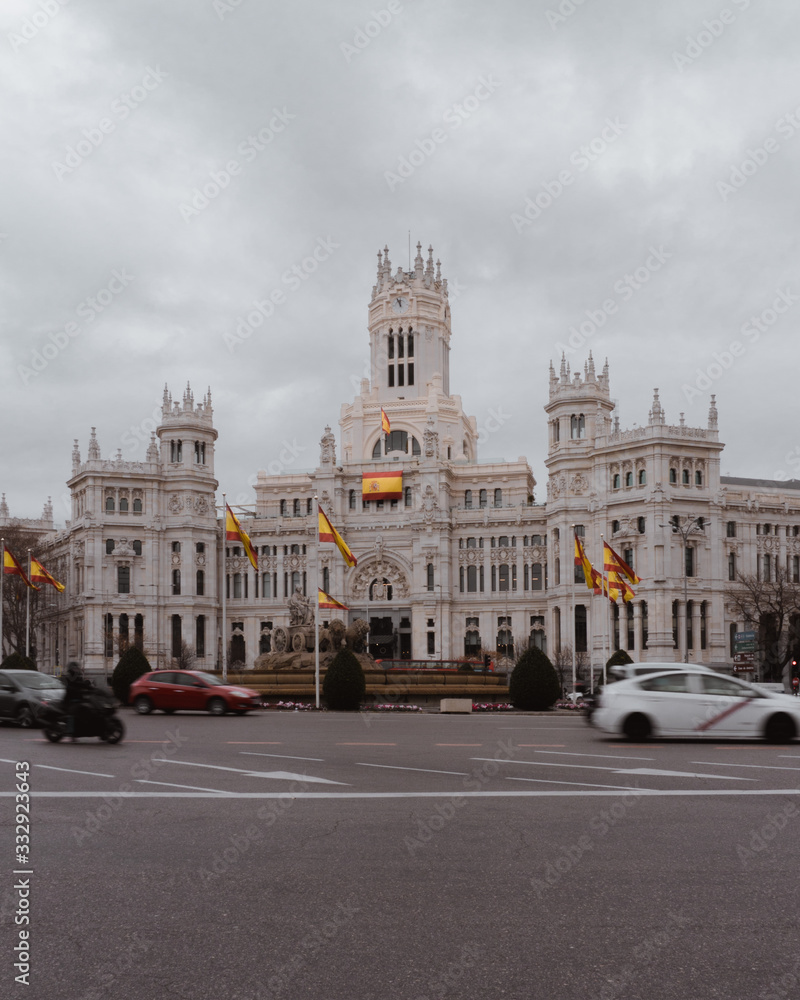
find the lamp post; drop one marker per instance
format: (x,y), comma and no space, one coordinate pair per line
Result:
(691,525)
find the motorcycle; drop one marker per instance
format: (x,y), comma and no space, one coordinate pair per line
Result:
(94,715)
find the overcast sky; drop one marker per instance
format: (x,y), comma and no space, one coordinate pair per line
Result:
(653,140)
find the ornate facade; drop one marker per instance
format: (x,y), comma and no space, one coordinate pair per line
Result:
(466,560)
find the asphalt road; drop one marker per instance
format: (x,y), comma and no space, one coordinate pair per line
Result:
(377,857)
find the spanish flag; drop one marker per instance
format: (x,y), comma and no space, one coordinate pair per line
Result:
(382,485)
(40,575)
(12,568)
(616,568)
(235,533)
(387,427)
(326,601)
(594,580)
(327,533)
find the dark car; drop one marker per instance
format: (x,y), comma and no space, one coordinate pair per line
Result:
(190,690)
(24,693)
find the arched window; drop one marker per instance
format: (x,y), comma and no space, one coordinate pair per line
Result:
(614,527)
(698,478)
(176,546)
(468,498)
(629,479)
(109,504)
(296,508)
(641,525)
(642,477)
(483,499)
(137,506)
(498,498)
(376,450)
(685,477)
(123,505)
(282,508)
(137,547)
(615,481)
(673,476)
(176,581)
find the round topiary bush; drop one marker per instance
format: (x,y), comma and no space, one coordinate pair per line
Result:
(132,664)
(18,661)
(344,686)
(533,686)
(618,659)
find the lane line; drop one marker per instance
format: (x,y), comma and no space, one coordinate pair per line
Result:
(620,770)
(458,744)
(606,756)
(761,767)
(654,793)
(96,774)
(282,756)
(541,744)
(587,784)
(255,743)
(425,770)
(365,744)
(170,784)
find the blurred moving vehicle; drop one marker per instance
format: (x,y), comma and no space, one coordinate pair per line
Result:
(191,691)
(624,671)
(94,714)
(697,703)
(25,693)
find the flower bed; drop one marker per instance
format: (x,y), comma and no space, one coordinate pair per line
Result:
(494,706)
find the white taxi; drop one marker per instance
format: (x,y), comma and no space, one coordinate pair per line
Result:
(696,703)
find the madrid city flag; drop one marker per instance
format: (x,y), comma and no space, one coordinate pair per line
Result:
(234,532)
(593,579)
(327,533)
(382,485)
(617,570)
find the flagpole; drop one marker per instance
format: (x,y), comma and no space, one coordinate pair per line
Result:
(574,633)
(316,606)
(224,585)
(606,653)
(28,611)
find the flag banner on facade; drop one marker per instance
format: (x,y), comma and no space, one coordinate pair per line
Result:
(382,485)
(387,427)
(327,533)
(594,580)
(326,601)
(616,571)
(235,533)
(40,575)
(12,568)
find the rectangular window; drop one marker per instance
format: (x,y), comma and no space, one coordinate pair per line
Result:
(200,636)
(123,579)
(410,373)
(690,562)
(431,643)
(177,636)
(731,529)
(401,375)
(391,376)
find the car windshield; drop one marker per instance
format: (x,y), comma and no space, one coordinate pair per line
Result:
(37,682)
(208,678)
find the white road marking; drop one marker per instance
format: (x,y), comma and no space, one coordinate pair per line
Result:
(71,770)
(587,784)
(170,784)
(282,775)
(619,770)
(761,767)
(655,793)
(607,756)
(283,756)
(425,770)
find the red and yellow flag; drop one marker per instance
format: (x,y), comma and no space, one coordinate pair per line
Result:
(326,601)
(594,580)
(12,568)
(40,575)
(617,570)
(387,427)
(327,533)
(234,532)
(382,485)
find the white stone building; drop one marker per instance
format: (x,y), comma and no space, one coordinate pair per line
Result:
(465,560)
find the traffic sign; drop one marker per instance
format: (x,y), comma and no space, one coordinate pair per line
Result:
(743,657)
(744,647)
(744,636)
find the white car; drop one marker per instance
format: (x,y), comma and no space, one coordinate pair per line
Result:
(624,671)
(695,703)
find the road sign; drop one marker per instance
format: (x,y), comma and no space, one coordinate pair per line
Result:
(744,647)
(743,668)
(743,657)
(744,636)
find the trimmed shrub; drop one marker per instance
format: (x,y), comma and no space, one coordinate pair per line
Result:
(18,661)
(533,686)
(344,686)
(132,664)
(618,659)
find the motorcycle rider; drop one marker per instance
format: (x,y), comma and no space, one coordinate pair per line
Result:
(74,702)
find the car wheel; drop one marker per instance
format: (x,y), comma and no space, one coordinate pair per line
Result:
(217,707)
(143,705)
(779,729)
(637,728)
(24,717)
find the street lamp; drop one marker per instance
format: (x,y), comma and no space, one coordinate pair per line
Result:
(691,525)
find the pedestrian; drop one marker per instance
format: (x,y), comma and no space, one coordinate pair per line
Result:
(795,685)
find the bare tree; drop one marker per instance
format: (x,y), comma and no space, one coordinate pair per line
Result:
(18,540)
(771,608)
(186,659)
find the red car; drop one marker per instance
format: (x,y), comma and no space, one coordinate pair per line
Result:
(190,690)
